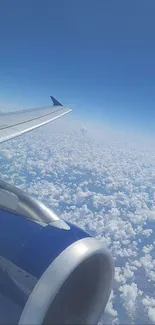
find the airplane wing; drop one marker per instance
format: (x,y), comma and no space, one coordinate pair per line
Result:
(19,122)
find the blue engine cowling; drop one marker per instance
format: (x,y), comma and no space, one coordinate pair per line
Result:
(51,272)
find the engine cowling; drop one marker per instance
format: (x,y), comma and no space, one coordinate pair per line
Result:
(51,271)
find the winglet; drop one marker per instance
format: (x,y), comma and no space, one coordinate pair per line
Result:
(55,102)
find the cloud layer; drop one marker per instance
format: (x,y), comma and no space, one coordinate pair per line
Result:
(105,183)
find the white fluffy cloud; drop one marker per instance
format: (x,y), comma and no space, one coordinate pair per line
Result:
(149,304)
(109,308)
(151,314)
(129,294)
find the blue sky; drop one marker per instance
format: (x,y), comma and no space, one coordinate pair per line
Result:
(96,56)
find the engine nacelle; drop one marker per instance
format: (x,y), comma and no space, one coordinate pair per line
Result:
(51,272)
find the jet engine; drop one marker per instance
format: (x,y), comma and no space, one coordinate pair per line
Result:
(51,271)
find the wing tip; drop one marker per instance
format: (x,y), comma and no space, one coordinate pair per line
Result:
(55,101)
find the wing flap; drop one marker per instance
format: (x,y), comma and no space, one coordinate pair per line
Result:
(16,123)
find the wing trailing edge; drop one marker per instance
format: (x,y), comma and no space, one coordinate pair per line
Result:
(14,124)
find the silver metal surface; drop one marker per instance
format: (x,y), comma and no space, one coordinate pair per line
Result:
(19,202)
(50,283)
(16,123)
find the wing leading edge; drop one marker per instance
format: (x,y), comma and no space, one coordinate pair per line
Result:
(19,122)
